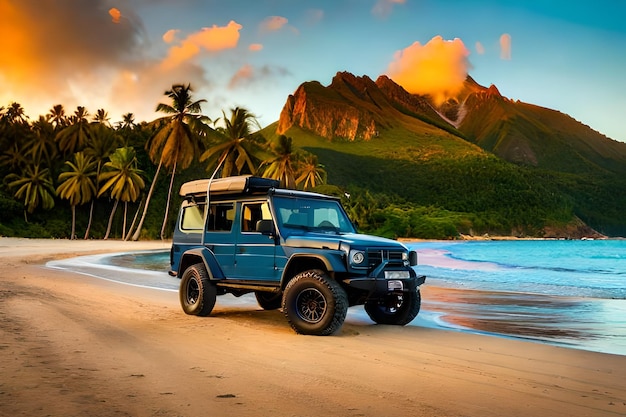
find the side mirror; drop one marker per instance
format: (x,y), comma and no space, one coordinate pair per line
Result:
(412,258)
(265,226)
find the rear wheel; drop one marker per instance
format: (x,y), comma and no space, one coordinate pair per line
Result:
(269,300)
(398,309)
(314,304)
(197,294)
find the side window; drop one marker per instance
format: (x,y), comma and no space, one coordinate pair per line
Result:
(251,213)
(221,216)
(192,218)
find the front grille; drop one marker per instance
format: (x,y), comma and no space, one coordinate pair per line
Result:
(376,256)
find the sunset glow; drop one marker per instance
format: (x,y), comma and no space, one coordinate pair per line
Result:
(122,56)
(437,68)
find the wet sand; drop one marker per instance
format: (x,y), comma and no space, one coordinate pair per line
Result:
(75,345)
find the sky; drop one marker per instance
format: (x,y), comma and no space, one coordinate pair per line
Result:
(123,55)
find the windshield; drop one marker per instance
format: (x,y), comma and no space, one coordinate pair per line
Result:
(312,214)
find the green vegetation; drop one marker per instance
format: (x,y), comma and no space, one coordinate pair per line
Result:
(84,168)
(402,184)
(417,178)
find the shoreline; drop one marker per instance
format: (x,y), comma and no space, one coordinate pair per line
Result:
(76,345)
(492,313)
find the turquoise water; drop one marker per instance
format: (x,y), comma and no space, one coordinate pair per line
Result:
(579,268)
(568,293)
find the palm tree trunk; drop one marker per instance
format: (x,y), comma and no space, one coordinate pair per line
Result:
(145,209)
(132,225)
(89,223)
(106,236)
(124,222)
(73,235)
(167,205)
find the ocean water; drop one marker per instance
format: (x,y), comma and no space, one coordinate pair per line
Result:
(579,268)
(564,292)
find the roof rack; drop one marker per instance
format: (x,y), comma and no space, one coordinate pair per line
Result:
(242,184)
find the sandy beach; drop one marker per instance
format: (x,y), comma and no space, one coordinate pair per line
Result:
(74,345)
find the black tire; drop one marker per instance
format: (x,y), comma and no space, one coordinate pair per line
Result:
(197,293)
(269,300)
(314,304)
(395,309)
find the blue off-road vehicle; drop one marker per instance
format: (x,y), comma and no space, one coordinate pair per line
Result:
(294,250)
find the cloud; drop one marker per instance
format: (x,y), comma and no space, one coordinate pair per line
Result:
(115,14)
(314,16)
(437,68)
(255,47)
(383,8)
(72,53)
(49,47)
(211,39)
(248,75)
(170,35)
(273,23)
(505,46)
(480,49)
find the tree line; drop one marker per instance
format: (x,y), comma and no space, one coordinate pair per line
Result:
(82,159)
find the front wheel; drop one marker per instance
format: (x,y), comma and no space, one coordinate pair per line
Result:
(197,294)
(398,309)
(269,300)
(314,304)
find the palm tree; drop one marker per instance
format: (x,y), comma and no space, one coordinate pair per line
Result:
(102,117)
(76,135)
(57,117)
(124,181)
(238,151)
(77,185)
(15,113)
(13,157)
(311,173)
(41,145)
(283,166)
(103,142)
(176,141)
(33,186)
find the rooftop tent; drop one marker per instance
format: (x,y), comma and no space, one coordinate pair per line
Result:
(229,185)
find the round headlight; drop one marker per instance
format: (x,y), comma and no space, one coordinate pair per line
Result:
(358,257)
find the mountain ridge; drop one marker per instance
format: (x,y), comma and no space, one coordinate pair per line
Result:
(357,108)
(494,165)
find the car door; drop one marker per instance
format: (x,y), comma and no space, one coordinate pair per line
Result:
(255,251)
(220,235)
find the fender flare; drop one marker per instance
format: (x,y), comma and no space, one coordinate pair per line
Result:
(207,257)
(331,264)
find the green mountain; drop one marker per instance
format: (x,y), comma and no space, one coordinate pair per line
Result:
(478,163)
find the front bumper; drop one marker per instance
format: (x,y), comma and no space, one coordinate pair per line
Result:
(385,279)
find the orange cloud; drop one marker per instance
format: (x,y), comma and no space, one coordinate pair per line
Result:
(437,69)
(505,46)
(170,35)
(244,74)
(273,23)
(383,8)
(211,39)
(255,47)
(37,75)
(115,14)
